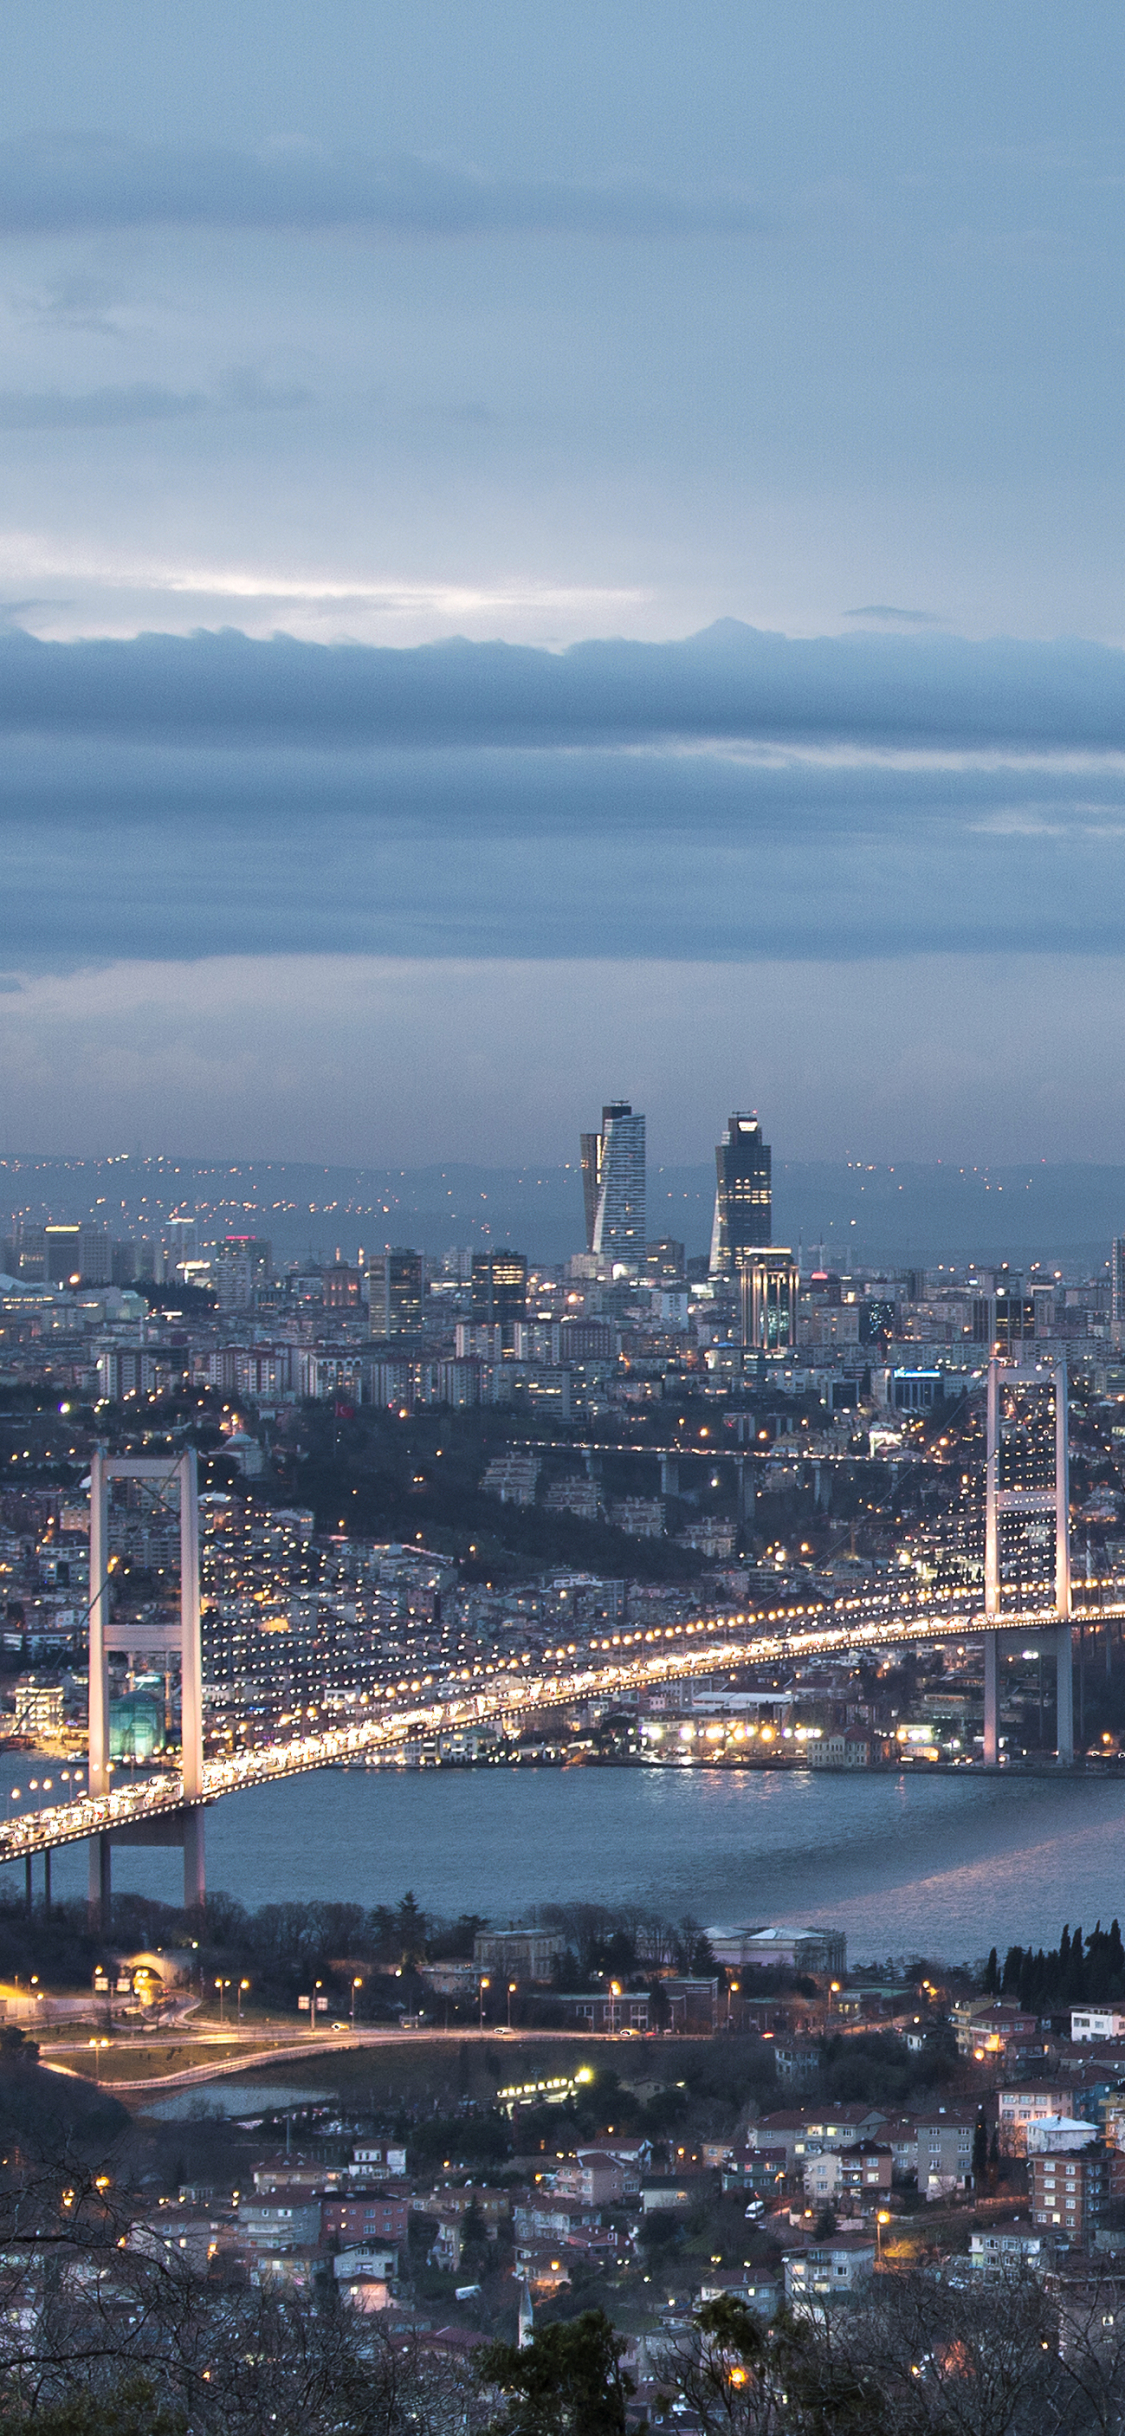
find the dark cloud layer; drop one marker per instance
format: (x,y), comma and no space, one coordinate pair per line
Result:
(172,797)
(731,683)
(67,182)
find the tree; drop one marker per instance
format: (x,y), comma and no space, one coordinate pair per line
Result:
(132,2409)
(410,1930)
(980,2151)
(475,2244)
(568,2382)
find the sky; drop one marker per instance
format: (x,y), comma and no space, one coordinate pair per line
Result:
(556,554)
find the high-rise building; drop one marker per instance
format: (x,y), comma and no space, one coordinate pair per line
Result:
(591,1146)
(499,1290)
(242,1264)
(769,1284)
(613,1185)
(743,1200)
(1117,1280)
(664,1261)
(402,1291)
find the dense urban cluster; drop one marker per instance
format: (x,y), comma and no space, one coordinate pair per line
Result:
(898,2187)
(420,1473)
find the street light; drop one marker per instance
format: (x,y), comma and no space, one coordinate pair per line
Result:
(222,1986)
(512,1986)
(484,1983)
(614,1993)
(356,1984)
(95,2044)
(243,1990)
(882,2217)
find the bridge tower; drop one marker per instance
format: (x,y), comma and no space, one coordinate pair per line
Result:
(185,1826)
(1021,1501)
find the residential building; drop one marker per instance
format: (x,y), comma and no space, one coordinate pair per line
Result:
(866,2169)
(286,2220)
(945,2150)
(1097,2022)
(981,2028)
(1069,2190)
(756,2290)
(1032,2102)
(1057,2134)
(364,2216)
(1007,2248)
(828,2271)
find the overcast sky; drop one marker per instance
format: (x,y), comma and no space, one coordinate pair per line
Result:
(548,553)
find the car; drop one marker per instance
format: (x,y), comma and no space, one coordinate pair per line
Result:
(341,2026)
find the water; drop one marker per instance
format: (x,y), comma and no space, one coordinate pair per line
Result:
(237,2099)
(943,1865)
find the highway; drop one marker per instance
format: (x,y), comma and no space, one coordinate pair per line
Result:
(619,1663)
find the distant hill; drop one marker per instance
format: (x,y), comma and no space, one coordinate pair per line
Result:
(908,1213)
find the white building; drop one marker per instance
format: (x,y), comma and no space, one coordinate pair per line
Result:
(828,2271)
(1094,2022)
(1055,2132)
(789,1949)
(1005,2249)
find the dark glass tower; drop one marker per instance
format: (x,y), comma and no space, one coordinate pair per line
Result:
(743,1199)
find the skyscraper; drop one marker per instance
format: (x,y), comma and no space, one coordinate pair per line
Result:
(499,1290)
(1117,1281)
(743,1201)
(403,1288)
(769,1283)
(613,1184)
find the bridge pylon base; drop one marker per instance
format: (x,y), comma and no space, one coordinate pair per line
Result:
(183,1829)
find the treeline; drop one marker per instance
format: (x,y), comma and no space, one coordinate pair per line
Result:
(282,1947)
(1075,1972)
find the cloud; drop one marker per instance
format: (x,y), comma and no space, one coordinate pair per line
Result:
(96,409)
(138,402)
(57,182)
(735,794)
(181,851)
(731,683)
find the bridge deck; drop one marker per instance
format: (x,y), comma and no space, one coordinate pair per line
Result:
(628,1663)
